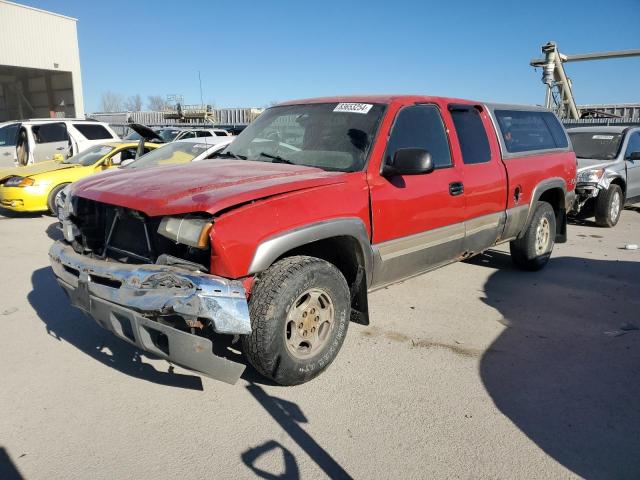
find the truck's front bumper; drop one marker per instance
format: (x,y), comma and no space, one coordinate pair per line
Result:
(128,300)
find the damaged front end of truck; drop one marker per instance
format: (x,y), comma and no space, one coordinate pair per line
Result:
(146,280)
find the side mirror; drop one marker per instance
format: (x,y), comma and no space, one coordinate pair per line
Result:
(634,156)
(409,161)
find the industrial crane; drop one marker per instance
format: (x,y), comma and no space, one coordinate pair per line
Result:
(559,93)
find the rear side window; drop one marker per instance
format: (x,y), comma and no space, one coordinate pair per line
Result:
(50,132)
(221,134)
(471,134)
(204,133)
(8,135)
(92,132)
(556,129)
(525,131)
(420,126)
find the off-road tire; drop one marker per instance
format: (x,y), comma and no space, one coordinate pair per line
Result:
(273,295)
(606,214)
(525,249)
(51,200)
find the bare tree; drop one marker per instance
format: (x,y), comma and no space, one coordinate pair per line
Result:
(156,103)
(133,103)
(111,102)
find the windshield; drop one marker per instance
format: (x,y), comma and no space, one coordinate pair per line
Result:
(133,136)
(168,134)
(171,154)
(89,156)
(596,145)
(331,136)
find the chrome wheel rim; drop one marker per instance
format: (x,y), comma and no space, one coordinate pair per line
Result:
(614,211)
(309,323)
(543,234)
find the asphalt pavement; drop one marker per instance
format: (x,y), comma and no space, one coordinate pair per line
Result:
(476,370)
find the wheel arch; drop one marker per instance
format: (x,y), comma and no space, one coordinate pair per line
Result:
(618,180)
(344,242)
(554,192)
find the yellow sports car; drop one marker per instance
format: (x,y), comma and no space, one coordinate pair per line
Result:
(35,188)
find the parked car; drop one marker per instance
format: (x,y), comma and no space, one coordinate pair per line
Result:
(35,188)
(608,171)
(313,205)
(172,134)
(39,140)
(181,151)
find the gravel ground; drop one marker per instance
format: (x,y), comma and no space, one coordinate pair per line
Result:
(476,370)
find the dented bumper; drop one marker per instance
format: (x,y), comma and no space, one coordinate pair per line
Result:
(128,300)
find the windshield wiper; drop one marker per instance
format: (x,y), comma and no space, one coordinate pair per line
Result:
(229,154)
(276,158)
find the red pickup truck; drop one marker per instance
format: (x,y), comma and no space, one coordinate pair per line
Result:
(278,240)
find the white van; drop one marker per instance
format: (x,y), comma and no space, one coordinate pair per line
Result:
(38,140)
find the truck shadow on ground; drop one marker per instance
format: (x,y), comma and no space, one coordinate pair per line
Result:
(65,323)
(53,231)
(289,417)
(566,370)
(8,470)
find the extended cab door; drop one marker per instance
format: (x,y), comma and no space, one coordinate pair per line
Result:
(633,167)
(417,220)
(484,176)
(50,139)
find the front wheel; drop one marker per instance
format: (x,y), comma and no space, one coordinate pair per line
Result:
(609,206)
(532,250)
(299,310)
(53,198)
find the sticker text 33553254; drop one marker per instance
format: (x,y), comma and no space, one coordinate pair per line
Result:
(362,108)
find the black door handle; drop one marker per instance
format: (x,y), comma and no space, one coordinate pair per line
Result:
(456,188)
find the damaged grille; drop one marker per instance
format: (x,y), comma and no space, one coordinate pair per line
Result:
(129,236)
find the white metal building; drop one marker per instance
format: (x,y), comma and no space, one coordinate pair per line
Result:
(39,64)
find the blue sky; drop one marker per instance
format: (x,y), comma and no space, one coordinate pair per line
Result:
(251,53)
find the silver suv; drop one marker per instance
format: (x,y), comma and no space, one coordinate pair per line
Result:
(608,171)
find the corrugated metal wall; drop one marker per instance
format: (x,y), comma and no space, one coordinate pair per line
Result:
(33,38)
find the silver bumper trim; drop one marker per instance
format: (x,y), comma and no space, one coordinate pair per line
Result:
(156,289)
(124,299)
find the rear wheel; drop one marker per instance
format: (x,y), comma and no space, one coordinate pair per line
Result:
(609,206)
(533,249)
(53,197)
(299,312)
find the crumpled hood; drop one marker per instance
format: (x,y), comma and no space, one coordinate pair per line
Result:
(206,186)
(35,169)
(588,163)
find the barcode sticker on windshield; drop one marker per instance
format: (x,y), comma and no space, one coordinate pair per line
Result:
(602,137)
(353,108)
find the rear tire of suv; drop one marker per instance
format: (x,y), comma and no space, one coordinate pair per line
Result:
(299,311)
(533,249)
(51,201)
(609,206)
